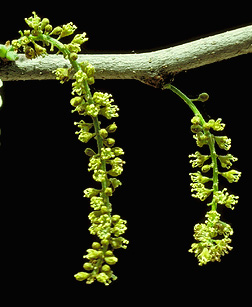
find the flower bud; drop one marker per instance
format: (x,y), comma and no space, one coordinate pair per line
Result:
(109,142)
(76,101)
(44,22)
(196,128)
(93,254)
(29,52)
(48,28)
(88,266)
(105,268)
(111,128)
(111,260)
(104,242)
(206,168)
(108,191)
(81,276)
(203,97)
(195,120)
(103,133)
(39,49)
(89,152)
(96,245)
(115,218)
(56,31)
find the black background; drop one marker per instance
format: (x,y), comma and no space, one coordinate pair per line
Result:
(44,168)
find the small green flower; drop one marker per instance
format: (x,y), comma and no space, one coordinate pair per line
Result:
(90,192)
(214,124)
(62,74)
(39,49)
(103,99)
(201,192)
(232,175)
(224,198)
(117,167)
(110,111)
(83,126)
(80,38)
(198,177)
(103,278)
(67,30)
(226,161)
(99,175)
(92,110)
(119,228)
(96,202)
(118,151)
(119,242)
(33,22)
(200,159)
(94,163)
(204,256)
(201,139)
(115,182)
(223,142)
(85,136)
(74,49)
(107,153)
(93,254)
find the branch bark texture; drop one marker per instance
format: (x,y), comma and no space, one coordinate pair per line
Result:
(150,67)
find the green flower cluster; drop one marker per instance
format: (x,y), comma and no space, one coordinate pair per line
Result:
(213,236)
(105,165)
(209,247)
(203,137)
(104,162)
(42,30)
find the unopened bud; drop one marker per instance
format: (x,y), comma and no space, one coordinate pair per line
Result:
(111,128)
(203,97)
(81,276)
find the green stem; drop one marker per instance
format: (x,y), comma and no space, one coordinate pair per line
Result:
(210,137)
(187,100)
(211,144)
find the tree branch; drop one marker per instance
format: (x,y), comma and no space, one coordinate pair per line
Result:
(150,67)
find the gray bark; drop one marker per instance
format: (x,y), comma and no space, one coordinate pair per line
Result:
(152,68)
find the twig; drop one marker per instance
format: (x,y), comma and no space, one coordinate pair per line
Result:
(151,67)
